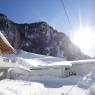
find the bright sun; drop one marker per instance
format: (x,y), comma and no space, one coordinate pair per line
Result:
(84,38)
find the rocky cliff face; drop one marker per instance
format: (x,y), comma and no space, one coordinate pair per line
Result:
(40,38)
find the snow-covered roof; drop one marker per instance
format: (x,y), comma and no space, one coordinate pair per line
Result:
(5,46)
(7,65)
(36,64)
(87,61)
(31,60)
(44,58)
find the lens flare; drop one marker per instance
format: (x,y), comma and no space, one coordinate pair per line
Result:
(84,38)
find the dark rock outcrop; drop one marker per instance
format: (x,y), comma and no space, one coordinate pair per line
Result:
(40,38)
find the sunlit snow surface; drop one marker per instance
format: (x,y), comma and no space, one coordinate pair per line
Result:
(19,87)
(15,87)
(88,82)
(23,85)
(30,60)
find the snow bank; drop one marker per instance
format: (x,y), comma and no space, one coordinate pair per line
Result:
(29,61)
(88,79)
(33,56)
(88,82)
(92,89)
(15,87)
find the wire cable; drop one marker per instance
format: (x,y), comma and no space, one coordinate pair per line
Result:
(63,5)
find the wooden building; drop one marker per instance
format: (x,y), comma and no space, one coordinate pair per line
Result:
(5,46)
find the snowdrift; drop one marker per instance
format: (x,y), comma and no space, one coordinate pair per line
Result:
(88,82)
(17,87)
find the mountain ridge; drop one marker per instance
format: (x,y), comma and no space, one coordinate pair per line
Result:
(40,38)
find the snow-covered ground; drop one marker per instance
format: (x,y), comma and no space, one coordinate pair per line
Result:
(68,86)
(29,61)
(19,82)
(20,87)
(16,87)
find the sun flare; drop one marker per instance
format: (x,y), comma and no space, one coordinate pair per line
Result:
(84,38)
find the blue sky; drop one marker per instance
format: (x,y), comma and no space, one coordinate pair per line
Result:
(51,11)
